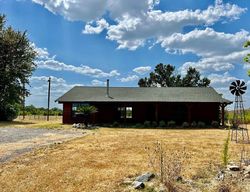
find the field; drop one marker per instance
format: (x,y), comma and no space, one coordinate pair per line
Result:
(102,159)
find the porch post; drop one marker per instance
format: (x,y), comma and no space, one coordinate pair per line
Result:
(222,114)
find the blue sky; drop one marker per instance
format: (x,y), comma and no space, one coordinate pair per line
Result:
(84,42)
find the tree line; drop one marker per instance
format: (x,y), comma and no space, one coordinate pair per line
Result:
(32,110)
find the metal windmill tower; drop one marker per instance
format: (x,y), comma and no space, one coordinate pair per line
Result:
(239,130)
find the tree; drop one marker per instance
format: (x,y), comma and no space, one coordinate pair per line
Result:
(85,112)
(164,76)
(247,58)
(16,66)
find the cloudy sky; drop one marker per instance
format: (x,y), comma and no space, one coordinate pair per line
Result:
(84,42)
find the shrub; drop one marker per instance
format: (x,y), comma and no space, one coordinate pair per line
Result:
(115,124)
(171,124)
(138,125)
(162,124)
(215,124)
(193,124)
(185,125)
(154,124)
(9,112)
(201,124)
(146,124)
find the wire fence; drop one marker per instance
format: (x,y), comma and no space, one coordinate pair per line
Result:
(39,118)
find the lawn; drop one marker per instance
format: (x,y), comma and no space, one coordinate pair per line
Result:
(36,122)
(102,159)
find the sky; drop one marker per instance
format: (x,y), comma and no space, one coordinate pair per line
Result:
(86,42)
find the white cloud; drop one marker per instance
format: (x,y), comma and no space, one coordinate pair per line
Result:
(100,26)
(142,69)
(81,10)
(138,21)
(44,61)
(96,82)
(221,79)
(39,90)
(129,78)
(206,42)
(132,32)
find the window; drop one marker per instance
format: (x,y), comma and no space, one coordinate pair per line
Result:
(129,112)
(75,106)
(125,112)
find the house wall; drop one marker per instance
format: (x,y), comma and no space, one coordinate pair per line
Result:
(179,112)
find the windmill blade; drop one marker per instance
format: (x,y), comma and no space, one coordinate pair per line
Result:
(241,92)
(242,83)
(233,91)
(233,84)
(244,88)
(237,93)
(238,82)
(232,87)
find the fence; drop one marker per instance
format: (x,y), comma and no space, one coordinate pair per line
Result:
(39,117)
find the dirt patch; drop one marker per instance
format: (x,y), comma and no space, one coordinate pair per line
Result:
(16,141)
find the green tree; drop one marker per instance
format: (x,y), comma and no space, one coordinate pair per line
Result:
(85,112)
(247,58)
(16,66)
(165,76)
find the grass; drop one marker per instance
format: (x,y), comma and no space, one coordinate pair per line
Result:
(102,159)
(30,122)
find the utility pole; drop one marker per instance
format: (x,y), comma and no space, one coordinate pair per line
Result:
(48,98)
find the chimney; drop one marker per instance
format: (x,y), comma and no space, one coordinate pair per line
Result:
(107,94)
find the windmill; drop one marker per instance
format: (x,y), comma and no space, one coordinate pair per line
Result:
(239,132)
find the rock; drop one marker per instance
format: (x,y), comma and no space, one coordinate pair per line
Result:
(234,168)
(145,177)
(127,182)
(179,179)
(220,176)
(138,185)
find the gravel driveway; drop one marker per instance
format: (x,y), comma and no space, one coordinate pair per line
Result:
(16,141)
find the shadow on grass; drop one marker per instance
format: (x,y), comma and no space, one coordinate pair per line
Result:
(9,123)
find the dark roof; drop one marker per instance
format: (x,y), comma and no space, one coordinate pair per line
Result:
(142,94)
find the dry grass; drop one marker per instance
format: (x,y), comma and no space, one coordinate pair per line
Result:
(101,160)
(30,122)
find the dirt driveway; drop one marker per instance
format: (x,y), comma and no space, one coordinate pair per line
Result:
(16,141)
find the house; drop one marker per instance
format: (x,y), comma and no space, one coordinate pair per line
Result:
(139,104)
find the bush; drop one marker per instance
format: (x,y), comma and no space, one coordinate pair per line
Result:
(9,112)
(215,124)
(185,125)
(201,124)
(138,125)
(171,124)
(154,124)
(115,124)
(146,124)
(193,124)
(162,124)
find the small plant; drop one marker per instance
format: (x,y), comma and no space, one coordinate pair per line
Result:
(194,124)
(115,124)
(185,125)
(215,124)
(162,124)
(201,124)
(154,124)
(168,165)
(171,124)
(138,125)
(146,124)
(225,155)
